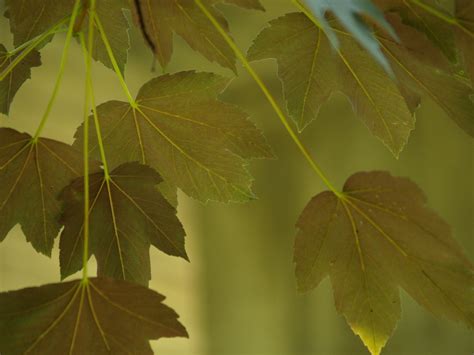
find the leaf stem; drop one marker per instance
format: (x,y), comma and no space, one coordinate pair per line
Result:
(33,42)
(62,66)
(29,46)
(269,97)
(305,11)
(110,52)
(85,254)
(94,110)
(88,101)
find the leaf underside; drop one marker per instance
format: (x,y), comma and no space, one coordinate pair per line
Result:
(32,176)
(16,78)
(104,316)
(311,71)
(158,20)
(381,236)
(182,130)
(349,13)
(127,215)
(26,24)
(455,41)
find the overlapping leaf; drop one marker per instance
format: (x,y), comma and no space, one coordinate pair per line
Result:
(102,317)
(439,32)
(350,12)
(115,24)
(179,128)
(32,176)
(451,31)
(379,237)
(311,71)
(26,24)
(160,18)
(127,216)
(421,69)
(15,79)
(31,18)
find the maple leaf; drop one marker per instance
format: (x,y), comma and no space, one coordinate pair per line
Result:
(443,26)
(33,175)
(311,71)
(103,316)
(180,129)
(115,24)
(439,32)
(15,79)
(349,13)
(422,69)
(127,215)
(378,237)
(159,19)
(26,24)
(169,192)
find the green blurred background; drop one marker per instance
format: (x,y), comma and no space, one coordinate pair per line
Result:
(238,294)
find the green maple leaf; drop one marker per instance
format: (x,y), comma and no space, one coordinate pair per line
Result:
(311,71)
(26,24)
(349,14)
(104,316)
(15,79)
(180,129)
(32,176)
(160,18)
(378,237)
(127,216)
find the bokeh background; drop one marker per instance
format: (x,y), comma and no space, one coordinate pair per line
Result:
(238,295)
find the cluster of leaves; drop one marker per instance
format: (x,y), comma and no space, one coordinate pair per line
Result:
(370,238)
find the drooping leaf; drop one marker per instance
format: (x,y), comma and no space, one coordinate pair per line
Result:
(104,316)
(32,176)
(160,18)
(127,216)
(350,12)
(439,32)
(379,237)
(169,192)
(15,79)
(422,69)
(112,17)
(311,71)
(180,129)
(452,27)
(26,24)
